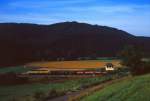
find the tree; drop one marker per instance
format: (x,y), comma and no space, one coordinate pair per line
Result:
(132,57)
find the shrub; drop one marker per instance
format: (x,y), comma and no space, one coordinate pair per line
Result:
(23,98)
(132,57)
(39,96)
(54,93)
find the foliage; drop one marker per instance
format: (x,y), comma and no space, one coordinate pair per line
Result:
(39,95)
(54,93)
(25,98)
(132,57)
(146,67)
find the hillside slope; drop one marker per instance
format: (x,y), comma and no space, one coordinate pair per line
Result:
(21,43)
(136,89)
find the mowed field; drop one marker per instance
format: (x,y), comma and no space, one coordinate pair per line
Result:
(82,64)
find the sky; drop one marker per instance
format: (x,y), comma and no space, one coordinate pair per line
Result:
(132,16)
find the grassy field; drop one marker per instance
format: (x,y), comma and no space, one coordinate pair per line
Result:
(135,89)
(82,64)
(17,69)
(9,92)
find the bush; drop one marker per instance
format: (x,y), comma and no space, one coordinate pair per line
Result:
(132,57)
(11,78)
(54,93)
(145,68)
(23,98)
(40,96)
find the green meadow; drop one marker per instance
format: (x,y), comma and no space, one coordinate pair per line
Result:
(135,89)
(10,92)
(17,69)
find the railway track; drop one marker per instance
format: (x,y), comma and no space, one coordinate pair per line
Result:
(61,76)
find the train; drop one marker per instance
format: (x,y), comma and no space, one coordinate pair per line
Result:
(66,72)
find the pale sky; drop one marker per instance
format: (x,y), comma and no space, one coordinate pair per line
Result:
(132,16)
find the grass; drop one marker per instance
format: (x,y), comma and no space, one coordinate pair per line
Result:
(81,64)
(8,92)
(17,69)
(135,89)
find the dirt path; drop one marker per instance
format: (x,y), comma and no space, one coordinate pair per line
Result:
(75,96)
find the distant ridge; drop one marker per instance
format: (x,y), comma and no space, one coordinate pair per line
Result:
(23,42)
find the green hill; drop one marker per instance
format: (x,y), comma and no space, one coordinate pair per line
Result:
(135,89)
(23,43)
